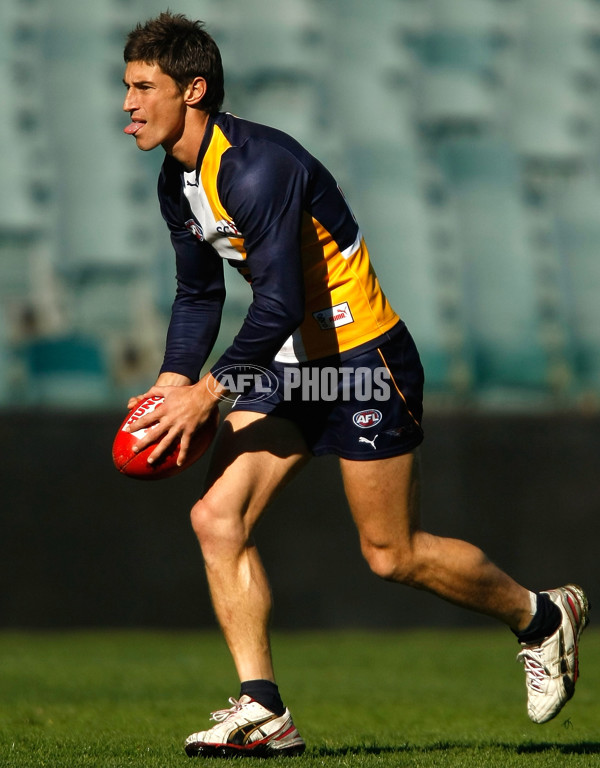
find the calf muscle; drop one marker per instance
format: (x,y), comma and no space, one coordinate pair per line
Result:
(384,498)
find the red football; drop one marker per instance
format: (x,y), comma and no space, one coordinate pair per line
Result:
(136,464)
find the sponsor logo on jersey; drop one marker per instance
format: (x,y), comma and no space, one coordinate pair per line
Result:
(195,228)
(334,317)
(227,228)
(368,418)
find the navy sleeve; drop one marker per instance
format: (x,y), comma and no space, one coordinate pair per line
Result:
(196,310)
(263,188)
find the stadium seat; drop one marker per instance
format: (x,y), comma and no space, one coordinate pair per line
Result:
(108,213)
(475,16)
(559,51)
(268,36)
(578,230)
(359,24)
(109,298)
(15,202)
(454,91)
(15,264)
(549,121)
(499,270)
(67,372)
(291,103)
(583,15)
(559,41)
(390,204)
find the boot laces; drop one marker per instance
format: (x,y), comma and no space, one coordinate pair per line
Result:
(535,672)
(222,714)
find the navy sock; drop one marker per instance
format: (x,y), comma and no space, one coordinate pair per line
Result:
(265,692)
(547,620)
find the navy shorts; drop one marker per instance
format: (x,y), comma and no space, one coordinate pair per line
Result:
(366,407)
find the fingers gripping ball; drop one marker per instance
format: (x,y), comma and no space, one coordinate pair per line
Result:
(136,464)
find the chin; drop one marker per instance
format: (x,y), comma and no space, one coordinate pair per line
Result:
(146,146)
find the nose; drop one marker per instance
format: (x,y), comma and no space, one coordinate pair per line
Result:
(128,103)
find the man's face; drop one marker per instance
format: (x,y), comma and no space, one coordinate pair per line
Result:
(156,106)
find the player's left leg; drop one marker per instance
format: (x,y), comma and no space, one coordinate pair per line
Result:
(384,500)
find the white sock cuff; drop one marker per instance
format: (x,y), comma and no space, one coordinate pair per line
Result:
(533,600)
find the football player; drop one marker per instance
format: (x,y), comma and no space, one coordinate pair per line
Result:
(322,364)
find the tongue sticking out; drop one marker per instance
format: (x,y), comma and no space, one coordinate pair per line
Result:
(133,128)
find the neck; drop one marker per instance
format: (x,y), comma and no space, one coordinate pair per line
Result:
(185,149)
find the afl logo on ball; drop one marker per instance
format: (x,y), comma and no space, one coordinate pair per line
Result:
(368,418)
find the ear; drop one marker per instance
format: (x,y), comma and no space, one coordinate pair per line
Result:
(195,92)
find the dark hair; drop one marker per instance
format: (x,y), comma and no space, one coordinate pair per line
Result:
(183,50)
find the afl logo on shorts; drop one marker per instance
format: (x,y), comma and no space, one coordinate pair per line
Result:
(368,418)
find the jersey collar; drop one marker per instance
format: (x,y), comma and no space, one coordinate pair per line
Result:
(208,132)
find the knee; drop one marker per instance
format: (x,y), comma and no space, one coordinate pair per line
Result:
(200,517)
(218,534)
(390,563)
(207,527)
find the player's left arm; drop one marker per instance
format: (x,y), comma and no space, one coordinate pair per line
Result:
(263,188)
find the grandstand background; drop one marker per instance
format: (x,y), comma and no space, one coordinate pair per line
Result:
(465,133)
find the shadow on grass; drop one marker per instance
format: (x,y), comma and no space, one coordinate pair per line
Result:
(581,748)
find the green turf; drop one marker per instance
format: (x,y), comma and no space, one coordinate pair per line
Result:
(418,698)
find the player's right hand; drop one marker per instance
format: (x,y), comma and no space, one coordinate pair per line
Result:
(133,401)
(165,379)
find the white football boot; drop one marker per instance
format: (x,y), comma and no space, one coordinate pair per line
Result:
(552,666)
(247,729)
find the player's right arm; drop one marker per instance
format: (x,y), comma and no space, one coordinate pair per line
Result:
(193,326)
(200,295)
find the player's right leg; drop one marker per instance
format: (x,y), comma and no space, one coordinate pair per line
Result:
(254,457)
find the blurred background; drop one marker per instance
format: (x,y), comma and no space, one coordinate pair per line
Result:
(466,135)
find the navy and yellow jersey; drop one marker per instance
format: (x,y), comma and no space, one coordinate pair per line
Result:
(261,202)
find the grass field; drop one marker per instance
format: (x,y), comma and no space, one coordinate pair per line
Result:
(416,698)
